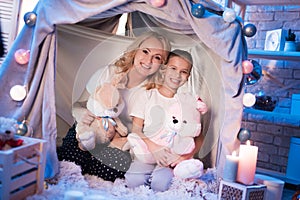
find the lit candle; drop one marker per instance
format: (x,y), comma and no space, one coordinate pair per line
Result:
(231,167)
(247,163)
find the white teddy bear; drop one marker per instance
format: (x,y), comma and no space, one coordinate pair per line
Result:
(181,126)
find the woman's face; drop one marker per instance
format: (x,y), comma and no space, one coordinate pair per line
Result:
(177,73)
(149,57)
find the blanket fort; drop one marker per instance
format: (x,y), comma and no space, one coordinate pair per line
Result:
(221,42)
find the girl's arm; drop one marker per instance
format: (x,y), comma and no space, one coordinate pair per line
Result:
(160,153)
(198,143)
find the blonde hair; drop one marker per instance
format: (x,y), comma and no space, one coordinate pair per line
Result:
(125,62)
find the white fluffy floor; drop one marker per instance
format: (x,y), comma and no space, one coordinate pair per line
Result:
(70,178)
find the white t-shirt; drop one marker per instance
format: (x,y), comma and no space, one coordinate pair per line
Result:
(105,75)
(152,107)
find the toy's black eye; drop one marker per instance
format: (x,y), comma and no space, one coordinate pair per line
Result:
(184,121)
(115,110)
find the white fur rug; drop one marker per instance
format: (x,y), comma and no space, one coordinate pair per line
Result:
(71,179)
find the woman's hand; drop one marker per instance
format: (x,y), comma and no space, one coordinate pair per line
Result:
(79,110)
(83,115)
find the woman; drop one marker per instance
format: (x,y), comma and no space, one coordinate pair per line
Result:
(135,68)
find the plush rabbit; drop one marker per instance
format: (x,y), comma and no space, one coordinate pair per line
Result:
(106,103)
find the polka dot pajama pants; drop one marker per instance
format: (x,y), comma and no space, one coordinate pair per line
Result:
(103,161)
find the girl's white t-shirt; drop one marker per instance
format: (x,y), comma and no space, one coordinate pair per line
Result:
(105,75)
(151,106)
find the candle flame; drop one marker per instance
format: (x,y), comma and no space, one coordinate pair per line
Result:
(248,142)
(233,153)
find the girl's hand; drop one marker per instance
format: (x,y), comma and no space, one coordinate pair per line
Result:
(160,154)
(175,159)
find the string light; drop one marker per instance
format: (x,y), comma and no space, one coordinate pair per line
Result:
(229,15)
(22,56)
(18,92)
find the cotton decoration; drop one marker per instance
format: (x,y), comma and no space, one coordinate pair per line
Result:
(229,15)
(18,92)
(198,10)
(249,99)
(73,195)
(247,67)
(157,3)
(30,19)
(249,30)
(244,135)
(22,56)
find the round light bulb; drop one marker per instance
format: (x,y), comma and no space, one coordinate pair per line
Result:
(247,67)
(18,92)
(229,15)
(157,3)
(22,56)
(249,99)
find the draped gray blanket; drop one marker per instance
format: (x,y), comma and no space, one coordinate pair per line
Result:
(60,51)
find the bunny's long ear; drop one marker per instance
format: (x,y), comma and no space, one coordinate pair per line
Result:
(201,106)
(176,110)
(119,80)
(108,95)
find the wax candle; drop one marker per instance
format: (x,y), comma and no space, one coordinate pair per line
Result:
(231,167)
(247,163)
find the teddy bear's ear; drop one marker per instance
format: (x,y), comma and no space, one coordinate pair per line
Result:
(108,95)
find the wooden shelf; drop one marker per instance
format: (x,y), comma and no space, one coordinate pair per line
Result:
(274,55)
(244,3)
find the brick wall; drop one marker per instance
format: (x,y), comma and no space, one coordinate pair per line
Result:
(271,131)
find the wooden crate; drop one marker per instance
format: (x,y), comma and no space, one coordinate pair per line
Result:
(22,169)
(236,191)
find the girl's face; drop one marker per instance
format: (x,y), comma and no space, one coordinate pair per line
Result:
(149,57)
(177,73)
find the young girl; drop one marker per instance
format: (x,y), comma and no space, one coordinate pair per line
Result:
(145,111)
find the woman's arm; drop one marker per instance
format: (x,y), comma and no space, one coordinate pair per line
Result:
(79,110)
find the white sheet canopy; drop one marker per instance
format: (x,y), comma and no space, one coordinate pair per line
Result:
(73,38)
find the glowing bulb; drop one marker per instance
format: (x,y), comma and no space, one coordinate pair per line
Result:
(18,92)
(229,15)
(22,56)
(249,99)
(247,67)
(157,3)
